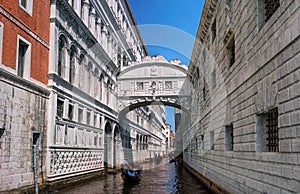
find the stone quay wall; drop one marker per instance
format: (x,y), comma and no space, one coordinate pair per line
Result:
(241,97)
(23,112)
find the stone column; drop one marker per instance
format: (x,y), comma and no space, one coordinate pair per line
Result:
(78,7)
(98,30)
(77,77)
(92,84)
(102,127)
(104,37)
(85,12)
(109,45)
(92,19)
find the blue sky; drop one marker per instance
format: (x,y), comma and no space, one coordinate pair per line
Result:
(168,28)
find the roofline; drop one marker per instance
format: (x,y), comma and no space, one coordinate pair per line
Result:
(136,26)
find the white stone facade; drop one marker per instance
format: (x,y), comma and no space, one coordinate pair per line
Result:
(90,42)
(244,132)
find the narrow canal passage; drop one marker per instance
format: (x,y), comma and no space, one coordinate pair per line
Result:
(165,178)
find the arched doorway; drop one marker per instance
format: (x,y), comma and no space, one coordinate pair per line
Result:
(116,146)
(107,145)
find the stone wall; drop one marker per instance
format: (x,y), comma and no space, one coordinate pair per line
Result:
(23,108)
(263,79)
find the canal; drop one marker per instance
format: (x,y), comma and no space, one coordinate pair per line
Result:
(164,178)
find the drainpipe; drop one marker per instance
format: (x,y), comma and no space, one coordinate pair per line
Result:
(36,136)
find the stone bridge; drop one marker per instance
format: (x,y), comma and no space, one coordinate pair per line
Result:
(152,81)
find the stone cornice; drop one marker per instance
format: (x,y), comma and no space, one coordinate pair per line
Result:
(23,26)
(204,28)
(87,34)
(22,83)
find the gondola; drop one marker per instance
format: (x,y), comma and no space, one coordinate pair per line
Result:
(132,175)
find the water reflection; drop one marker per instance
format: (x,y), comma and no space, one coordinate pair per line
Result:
(166,178)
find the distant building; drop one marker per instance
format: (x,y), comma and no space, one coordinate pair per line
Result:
(245,104)
(24,57)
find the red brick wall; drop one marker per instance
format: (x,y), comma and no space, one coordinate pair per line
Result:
(39,24)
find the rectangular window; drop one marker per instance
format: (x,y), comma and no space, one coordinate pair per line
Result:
(95,139)
(71,112)
(266,8)
(213,30)
(60,108)
(26,5)
(270,7)
(1,40)
(267,132)
(23,58)
(213,79)
(230,52)
(80,115)
(204,93)
(168,85)
(229,137)
(212,140)
(23,3)
(228,3)
(95,120)
(139,85)
(88,118)
(202,142)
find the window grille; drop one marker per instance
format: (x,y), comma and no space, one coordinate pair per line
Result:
(231,52)
(272,131)
(214,30)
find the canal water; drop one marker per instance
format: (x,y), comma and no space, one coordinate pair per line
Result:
(164,178)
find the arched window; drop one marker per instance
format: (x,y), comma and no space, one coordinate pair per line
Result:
(81,71)
(72,65)
(62,51)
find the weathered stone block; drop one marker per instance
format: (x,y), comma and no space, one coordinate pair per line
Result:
(286,171)
(296,173)
(291,159)
(285,145)
(296,145)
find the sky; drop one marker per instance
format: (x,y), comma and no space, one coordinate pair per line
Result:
(168,28)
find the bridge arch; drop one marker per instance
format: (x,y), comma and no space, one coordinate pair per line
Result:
(154,80)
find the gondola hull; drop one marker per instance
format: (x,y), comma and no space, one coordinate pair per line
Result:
(132,175)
